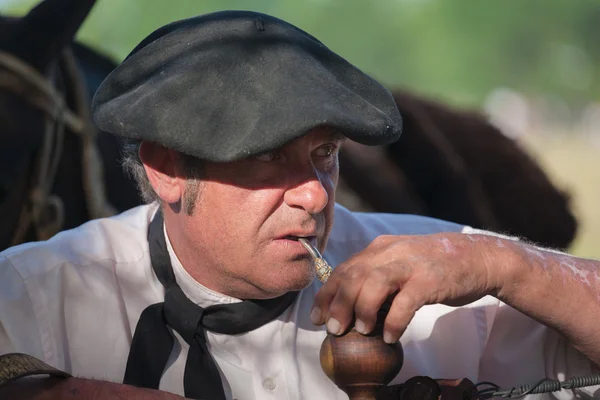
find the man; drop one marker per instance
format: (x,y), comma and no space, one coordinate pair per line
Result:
(236,120)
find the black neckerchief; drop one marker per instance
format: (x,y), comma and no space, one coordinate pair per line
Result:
(152,342)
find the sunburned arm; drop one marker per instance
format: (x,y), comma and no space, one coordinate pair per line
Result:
(557,289)
(78,389)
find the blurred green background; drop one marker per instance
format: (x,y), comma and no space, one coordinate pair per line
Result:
(533,66)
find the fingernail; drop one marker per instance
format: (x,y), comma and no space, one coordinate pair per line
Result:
(334,327)
(315,315)
(388,337)
(360,327)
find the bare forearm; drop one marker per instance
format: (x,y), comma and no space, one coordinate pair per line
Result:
(557,289)
(78,388)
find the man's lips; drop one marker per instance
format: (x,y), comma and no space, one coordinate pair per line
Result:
(295,237)
(311,236)
(296,243)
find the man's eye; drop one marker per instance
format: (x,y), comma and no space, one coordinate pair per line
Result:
(326,151)
(268,156)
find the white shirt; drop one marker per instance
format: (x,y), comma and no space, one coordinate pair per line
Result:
(74,302)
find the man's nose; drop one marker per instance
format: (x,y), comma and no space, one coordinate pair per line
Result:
(310,194)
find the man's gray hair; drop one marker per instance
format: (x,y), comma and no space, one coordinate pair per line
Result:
(132,164)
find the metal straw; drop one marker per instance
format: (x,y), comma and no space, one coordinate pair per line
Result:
(324,270)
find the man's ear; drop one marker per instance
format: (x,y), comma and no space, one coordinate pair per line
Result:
(161,168)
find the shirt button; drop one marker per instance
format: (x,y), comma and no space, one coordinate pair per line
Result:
(268,384)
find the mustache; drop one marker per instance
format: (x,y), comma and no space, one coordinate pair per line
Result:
(312,222)
(317,221)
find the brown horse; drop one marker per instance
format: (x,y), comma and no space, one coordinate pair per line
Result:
(57,171)
(453,164)
(52,174)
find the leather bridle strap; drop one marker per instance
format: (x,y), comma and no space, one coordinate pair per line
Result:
(28,84)
(46,98)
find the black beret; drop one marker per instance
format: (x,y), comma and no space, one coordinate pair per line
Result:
(231,84)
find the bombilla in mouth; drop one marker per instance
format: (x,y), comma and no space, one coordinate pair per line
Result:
(324,270)
(314,252)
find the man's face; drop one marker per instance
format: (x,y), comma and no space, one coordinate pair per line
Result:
(242,235)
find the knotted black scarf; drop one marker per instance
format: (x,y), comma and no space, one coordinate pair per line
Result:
(152,342)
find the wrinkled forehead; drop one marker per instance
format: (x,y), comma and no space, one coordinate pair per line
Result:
(324,133)
(316,136)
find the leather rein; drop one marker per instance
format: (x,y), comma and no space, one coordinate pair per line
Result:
(43,210)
